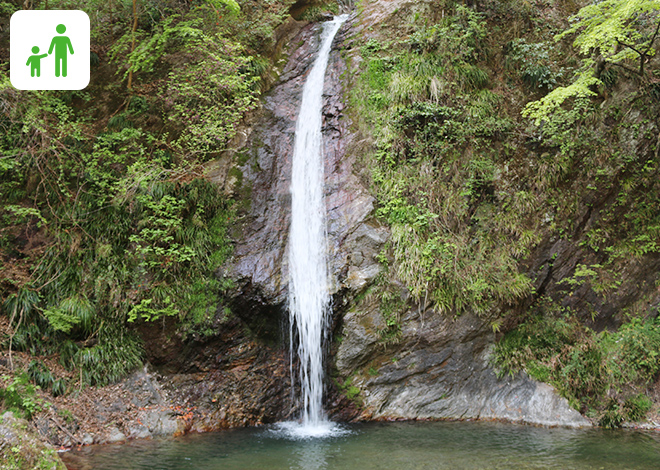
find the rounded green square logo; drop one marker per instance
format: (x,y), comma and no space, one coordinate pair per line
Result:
(49,50)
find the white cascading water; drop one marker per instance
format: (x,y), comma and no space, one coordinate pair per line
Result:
(308,284)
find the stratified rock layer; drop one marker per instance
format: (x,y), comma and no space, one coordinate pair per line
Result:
(440,369)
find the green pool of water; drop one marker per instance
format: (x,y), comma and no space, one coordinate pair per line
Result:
(383,446)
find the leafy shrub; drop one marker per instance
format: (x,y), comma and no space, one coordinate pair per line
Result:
(633,409)
(532,61)
(612,417)
(635,353)
(58,387)
(40,375)
(119,121)
(19,395)
(458,38)
(586,367)
(637,407)
(539,340)
(115,355)
(211,94)
(580,373)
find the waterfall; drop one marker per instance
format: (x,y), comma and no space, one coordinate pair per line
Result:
(309,298)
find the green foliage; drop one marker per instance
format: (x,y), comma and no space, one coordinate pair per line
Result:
(230,4)
(20,214)
(349,390)
(155,242)
(533,342)
(435,122)
(72,312)
(608,32)
(7,8)
(459,38)
(40,375)
(586,367)
(637,407)
(210,95)
(634,351)
(533,63)
(552,102)
(391,306)
(127,227)
(116,354)
(144,310)
(580,371)
(634,408)
(19,395)
(616,29)
(613,417)
(151,50)
(318,12)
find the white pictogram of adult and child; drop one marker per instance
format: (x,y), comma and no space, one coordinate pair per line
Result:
(61,45)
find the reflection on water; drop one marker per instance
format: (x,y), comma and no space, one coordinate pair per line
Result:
(312,456)
(383,446)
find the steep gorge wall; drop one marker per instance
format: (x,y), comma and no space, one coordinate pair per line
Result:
(440,366)
(259,266)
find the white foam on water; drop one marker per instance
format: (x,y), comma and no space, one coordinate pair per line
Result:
(295,430)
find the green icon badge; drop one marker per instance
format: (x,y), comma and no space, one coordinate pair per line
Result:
(63,35)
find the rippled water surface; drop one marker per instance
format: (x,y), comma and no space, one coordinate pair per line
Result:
(383,446)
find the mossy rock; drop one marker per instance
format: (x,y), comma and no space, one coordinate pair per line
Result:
(21,449)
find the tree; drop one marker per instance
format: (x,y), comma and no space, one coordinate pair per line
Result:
(616,32)
(233,7)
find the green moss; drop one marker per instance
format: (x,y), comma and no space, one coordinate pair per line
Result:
(349,390)
(236,173)
(23,450)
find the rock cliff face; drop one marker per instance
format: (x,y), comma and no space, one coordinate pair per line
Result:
(260,261)
(440,369)
(440,366)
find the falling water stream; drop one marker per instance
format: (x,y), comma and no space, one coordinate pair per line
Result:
(308,268)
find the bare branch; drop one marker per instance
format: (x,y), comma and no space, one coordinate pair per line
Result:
(629,46)
(657,30)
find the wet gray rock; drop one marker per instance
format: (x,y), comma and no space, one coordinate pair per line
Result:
(440,369)
(115,435)
(138,431)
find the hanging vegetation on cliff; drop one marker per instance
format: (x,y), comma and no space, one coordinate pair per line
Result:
(108,218)
(511,195)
